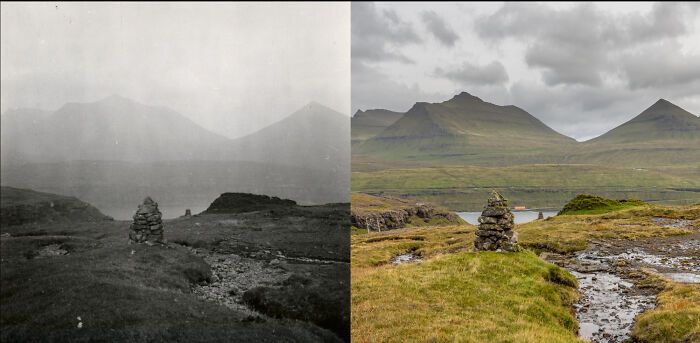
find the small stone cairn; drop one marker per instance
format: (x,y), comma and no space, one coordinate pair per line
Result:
(495,230)
(540,215)
(147,226)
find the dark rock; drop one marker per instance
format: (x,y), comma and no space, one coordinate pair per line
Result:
(399,218)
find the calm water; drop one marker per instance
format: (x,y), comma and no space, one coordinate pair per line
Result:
(520,216)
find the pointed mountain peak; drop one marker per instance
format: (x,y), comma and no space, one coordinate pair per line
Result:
(464,96)
(662,103)
(664,109)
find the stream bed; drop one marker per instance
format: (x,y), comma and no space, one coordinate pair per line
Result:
(608,271)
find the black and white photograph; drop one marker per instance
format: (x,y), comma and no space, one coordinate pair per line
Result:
(175,172)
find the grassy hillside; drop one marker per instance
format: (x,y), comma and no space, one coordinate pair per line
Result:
(544,185)
(462,128)
(21,206)
(455,295)
(662,121)
(367,124)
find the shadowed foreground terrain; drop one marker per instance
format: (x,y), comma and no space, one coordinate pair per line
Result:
(271,274)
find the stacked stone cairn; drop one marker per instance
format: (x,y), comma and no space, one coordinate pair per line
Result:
(495,231)
(147,226)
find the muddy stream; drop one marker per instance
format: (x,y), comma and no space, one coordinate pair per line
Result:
(609,273)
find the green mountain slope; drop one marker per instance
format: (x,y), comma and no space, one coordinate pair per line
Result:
(463,128)
(662,121)
(663,134)
(369,123)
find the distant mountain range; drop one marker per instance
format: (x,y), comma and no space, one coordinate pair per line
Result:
(119,129)
(112,151)
(466,129)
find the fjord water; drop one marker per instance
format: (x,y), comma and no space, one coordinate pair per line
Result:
(520,216)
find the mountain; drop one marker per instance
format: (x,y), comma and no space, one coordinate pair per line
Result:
(313,137)
(463,128)
(663,134)
(114,128)
(369,123)
(115,151)
(663,120)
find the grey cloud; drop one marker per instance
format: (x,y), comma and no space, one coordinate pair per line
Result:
(471,74)
(373,89)
(439,28)
(661,66)
(580,44)
(378,35)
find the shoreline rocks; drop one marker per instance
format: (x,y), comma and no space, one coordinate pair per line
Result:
(495,231)
(399,218)
(148,225)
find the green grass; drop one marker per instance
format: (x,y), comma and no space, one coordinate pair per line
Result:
(592,204)
(455,294)
(541,185)
(570,233)
(465,297)
(676,317)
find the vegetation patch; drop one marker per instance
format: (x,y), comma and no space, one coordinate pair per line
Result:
(571,233)
(676,317)
(592,204)
(465,297)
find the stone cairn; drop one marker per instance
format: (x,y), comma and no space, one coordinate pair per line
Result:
(147,226)
(495,230)
(540,215)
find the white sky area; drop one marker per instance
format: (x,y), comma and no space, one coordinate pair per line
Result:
(233,68)
(580,68)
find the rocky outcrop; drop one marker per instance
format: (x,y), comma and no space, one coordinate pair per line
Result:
(24,206)
(246,202)
(148,225)
(495,231)
(390,219)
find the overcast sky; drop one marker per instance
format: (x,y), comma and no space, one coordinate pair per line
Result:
(233,68)
(580,68)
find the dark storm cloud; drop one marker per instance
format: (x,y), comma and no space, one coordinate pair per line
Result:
(377,34)
(471,74)
(439,28)
(582,44)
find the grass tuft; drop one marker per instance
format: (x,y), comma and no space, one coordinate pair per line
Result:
(592,204)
